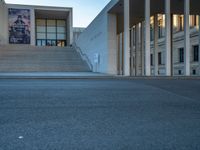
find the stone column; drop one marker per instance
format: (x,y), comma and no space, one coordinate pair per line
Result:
(156,45)
(168,37)
(137,47)
(131,52)
(187,36)
(147,39)
(142,49)
(126,38)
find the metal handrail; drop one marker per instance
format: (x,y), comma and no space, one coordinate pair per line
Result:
(83,55)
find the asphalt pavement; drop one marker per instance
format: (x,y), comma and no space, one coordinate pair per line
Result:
(99,114)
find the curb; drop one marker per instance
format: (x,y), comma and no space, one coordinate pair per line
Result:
(99,77)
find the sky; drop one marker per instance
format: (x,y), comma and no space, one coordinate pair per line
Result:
(84,11)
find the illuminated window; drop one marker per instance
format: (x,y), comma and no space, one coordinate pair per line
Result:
(194,21)
(180,23)
(152,28)
(161,26)
(196,53)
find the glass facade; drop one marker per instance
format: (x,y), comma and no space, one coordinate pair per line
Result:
(50,32)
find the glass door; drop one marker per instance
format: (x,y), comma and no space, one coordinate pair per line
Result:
(61,43)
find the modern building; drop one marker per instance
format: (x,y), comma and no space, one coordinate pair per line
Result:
(144,38)
(35,25)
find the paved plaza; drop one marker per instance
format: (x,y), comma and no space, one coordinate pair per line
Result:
(99,114)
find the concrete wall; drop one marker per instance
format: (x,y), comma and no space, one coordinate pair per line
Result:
(99,38)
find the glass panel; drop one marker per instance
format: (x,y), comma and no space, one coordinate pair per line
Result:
(61,36)
(41,29)
(43,42)
(41,36)
(39,43)
(61,43)
(53,42)
(61,23)
(51,29)
(51,22)
(61,29)
(51,36)
(41,22)
(48,42)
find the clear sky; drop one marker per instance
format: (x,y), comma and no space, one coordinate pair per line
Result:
(84,10)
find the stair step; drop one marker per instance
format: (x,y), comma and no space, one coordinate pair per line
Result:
(40,59)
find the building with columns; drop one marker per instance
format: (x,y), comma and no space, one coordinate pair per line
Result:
(144,38)
(35,25)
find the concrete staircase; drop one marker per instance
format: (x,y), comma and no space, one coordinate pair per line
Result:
(18,58)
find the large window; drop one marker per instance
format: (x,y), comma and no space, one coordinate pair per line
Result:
(161,26)
(180,22)
(50,32)
(194,21)
(41,29)
(196,53)
(152,29)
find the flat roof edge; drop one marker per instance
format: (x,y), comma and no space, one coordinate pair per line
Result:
(39,6)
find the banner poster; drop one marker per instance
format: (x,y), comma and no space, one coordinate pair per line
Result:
(19,26)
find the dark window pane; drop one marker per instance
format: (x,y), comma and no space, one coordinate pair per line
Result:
(151,59)
(181,55)
(159,58)
(196,53)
